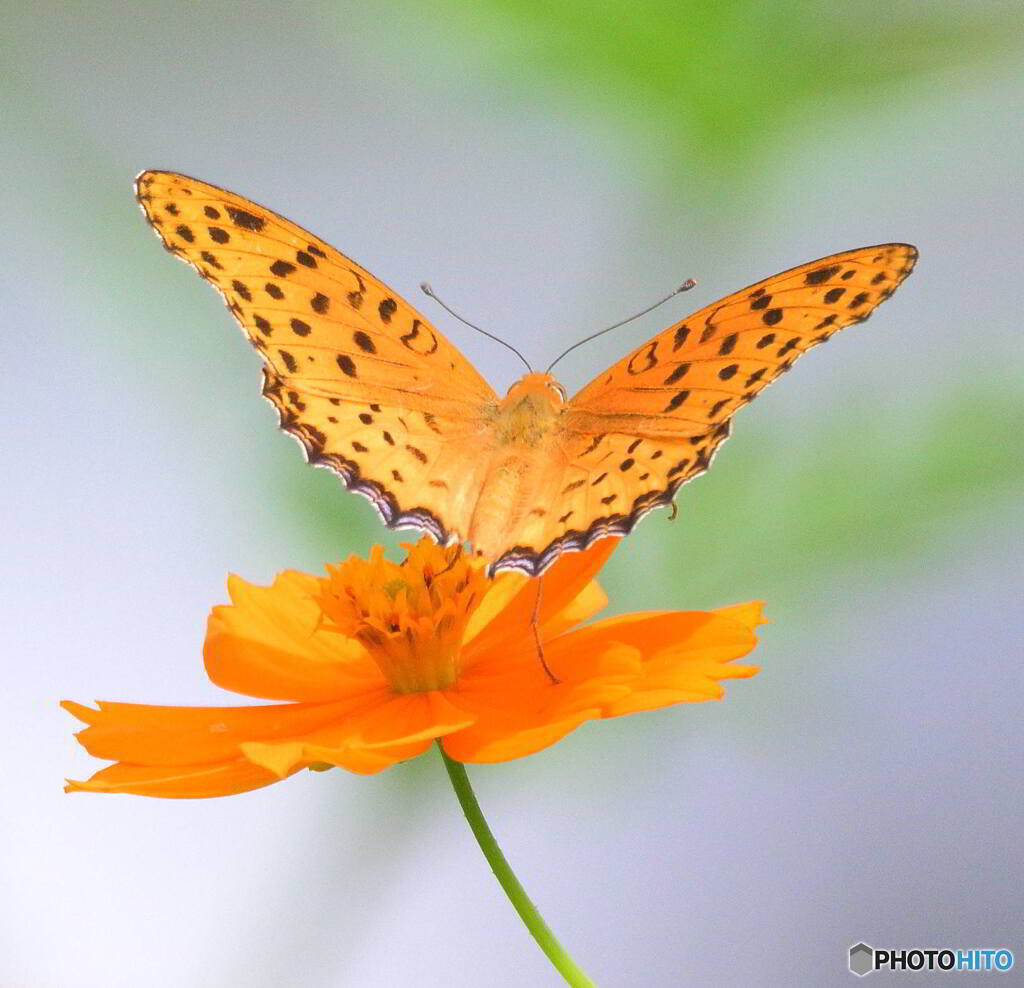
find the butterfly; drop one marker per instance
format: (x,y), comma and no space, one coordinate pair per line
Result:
(376,393)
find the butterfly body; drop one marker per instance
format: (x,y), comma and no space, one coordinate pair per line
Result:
(523,437)
(376,393)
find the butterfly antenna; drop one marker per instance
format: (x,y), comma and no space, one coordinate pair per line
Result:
(684,287)
(427,290)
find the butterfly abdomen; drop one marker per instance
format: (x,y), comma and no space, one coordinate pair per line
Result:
(525,437)
(509,495)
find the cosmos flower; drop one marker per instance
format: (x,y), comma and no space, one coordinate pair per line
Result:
(377,660)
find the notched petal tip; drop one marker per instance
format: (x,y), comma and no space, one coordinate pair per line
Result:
(749,614)
(85,714)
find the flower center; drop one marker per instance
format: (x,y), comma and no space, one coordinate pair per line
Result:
(409,616)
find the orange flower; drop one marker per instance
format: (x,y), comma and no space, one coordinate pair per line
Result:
(378,659)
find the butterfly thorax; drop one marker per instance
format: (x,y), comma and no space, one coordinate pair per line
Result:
(529,411)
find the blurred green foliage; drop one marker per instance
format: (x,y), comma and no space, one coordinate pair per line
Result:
(717,87)
(852,491)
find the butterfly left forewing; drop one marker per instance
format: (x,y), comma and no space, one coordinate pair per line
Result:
(368,386)
(654,420)
(286,286)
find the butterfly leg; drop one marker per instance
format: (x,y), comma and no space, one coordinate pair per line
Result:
(674,512)
(535,625)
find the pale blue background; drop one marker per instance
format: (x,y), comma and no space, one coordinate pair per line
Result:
(865,786)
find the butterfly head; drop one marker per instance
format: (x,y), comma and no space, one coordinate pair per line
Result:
(536,387)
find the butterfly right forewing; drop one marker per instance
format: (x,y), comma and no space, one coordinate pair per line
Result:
(654,420)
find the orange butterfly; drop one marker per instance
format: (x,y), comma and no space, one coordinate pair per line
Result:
(372,390)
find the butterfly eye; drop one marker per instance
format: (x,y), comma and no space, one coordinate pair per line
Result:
(559,390)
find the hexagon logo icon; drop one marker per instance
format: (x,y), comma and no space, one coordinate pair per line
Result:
(861,959)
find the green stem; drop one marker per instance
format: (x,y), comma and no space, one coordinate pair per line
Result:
(539,930)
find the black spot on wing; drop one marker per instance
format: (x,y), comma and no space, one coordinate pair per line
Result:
(677,399)
(643,360)
(820,275)
(246,220)
(363,341)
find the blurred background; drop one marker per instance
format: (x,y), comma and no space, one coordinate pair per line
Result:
(550,168)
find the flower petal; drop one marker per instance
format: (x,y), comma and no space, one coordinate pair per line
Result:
(684,655)
(478,744)
(409,718)
(750,614)
(269,643)
(584,606)
(560,586)
(400,728)
(521,711)
(158,735)
(500,593)
(178,781)
(658,636)
(282,759)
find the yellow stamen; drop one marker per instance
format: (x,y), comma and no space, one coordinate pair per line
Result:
(410,617)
